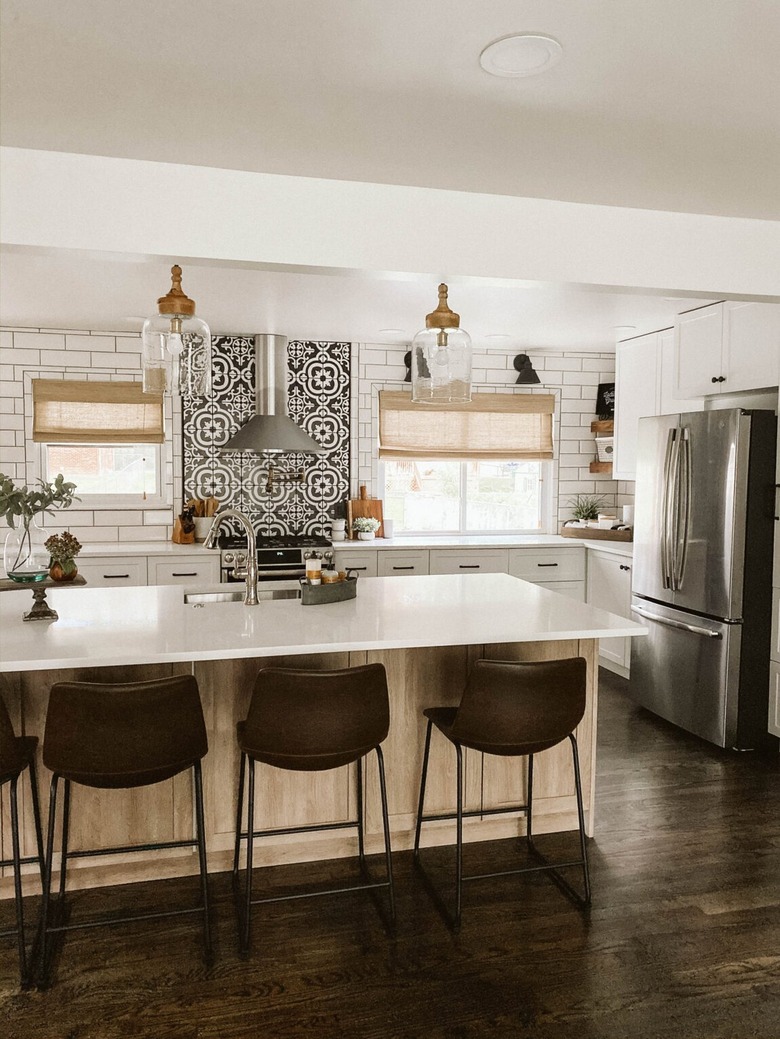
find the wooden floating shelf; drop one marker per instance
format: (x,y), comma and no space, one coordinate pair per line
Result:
(603,425)
(601,467)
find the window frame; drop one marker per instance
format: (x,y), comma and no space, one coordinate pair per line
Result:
(154,499)
(546,474)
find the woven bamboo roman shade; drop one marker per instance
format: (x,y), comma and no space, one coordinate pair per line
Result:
(67,411)
(491,425)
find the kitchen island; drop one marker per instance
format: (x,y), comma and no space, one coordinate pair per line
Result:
(427,631)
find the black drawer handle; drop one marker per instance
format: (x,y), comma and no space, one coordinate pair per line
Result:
(624,567)
(115,577)
(719,378)
(403,568)
(358,568)
(546,564)
(193,573)
(468,566)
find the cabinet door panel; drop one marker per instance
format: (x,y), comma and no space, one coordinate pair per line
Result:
(698,351)
(548,564)
(113,572)
(751,336)
(456,561)
(191,570)
(362,560)
(402,564)
(609,588)
(637,392)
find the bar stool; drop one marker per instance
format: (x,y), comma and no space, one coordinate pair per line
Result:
(121,736)
(310,721)
(17,754)
(510,709)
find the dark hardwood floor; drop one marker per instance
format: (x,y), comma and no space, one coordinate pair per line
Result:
(682,941)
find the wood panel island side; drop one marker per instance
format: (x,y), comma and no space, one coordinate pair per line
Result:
(427,631)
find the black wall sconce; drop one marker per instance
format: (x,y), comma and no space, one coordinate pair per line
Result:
(526,374)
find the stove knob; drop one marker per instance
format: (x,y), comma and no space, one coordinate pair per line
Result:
(228,558)
(327,556)
(240,558)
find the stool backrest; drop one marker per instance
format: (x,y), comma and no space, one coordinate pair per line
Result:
(124,734)
(297,714)
(12,759)
(512,707)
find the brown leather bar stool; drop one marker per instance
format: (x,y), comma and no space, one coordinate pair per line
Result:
(511,709)
(120,736)
(17,754)
(309,721)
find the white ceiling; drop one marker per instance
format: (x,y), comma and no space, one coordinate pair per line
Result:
(656,104)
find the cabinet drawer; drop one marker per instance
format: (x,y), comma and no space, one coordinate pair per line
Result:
(573,589)
(548,564)
(113,572)
(402,564)
(363,561)
(470,561)
(195,570)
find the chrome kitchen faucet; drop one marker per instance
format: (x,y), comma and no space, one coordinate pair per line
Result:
(250,595)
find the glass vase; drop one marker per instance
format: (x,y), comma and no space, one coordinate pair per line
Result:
(25,557)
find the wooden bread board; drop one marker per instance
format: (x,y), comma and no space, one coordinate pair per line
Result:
(370,507)
(597,535)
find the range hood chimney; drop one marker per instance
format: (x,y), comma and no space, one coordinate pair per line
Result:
(271,429)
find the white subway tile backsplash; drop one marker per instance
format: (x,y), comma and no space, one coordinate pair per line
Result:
(12,355)
(39,341)
(90,342)
(61,359)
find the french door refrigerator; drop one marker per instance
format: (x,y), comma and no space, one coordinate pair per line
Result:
(702,573)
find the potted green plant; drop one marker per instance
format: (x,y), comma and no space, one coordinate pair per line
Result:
(365,527)
(586,507)
(63,549)
(24,559)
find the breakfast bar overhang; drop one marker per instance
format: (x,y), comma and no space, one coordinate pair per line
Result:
(427,631)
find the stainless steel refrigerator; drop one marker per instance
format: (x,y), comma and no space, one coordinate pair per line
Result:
(702,574)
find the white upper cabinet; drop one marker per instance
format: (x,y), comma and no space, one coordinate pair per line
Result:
(637,393)
(727,348)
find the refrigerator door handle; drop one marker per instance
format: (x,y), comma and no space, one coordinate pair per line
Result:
(666,501)
(696,629)
(683,519)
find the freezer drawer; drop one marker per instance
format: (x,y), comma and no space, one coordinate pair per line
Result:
(687,671)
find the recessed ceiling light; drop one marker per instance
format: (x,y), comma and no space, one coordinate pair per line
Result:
(497,335)
(623,328)
(391,331)
(522,54)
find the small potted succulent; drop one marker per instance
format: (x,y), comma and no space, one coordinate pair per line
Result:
(365,527)
(586,507)
(63,549)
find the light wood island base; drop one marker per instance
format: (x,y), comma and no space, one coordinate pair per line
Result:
(417,678)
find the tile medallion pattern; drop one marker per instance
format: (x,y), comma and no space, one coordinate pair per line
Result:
(318,400)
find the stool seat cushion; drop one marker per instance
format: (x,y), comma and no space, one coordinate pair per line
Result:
(124,735)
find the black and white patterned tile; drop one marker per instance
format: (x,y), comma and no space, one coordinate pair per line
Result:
(318,400)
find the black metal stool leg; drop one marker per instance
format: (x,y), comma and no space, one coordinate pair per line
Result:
(529,828)
(204,875)
(36,803)
(386,827)
(246,923)
(65,836)
(17,861)
(42,974)
(361,837)
(239,814)
(581,817)
(459,842)
(421,801)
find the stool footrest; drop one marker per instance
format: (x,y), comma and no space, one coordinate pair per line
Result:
(110,921)
(127,848)
(475,813)
(313,828)
(318,894)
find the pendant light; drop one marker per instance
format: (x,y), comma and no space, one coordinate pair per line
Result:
(441,358)
(176,346)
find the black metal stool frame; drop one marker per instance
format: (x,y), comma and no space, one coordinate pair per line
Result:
(244,900)
(17,861)
(48,931)
(454,920)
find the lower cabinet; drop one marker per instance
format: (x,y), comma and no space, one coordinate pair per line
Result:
(609,588)
(402,564)
(363,561)
(574,589)
(113,571)
(185,570)
(470,561)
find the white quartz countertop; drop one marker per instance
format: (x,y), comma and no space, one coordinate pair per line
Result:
(108,626)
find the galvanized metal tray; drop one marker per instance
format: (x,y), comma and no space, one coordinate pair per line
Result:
(317,594)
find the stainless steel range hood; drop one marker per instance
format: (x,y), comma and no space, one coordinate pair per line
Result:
(271,429)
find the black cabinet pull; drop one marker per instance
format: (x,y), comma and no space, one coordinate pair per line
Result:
(358,568)
(468,566)
(115,577)
(624,567)
(546,564)
(403,568)
(714,378)
(194,573)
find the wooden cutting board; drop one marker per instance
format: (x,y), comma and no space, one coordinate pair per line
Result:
(365,506)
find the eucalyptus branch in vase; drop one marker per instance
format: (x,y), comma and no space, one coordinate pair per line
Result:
(20,506)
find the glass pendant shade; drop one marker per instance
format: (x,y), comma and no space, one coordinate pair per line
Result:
(176,355)
(441,358)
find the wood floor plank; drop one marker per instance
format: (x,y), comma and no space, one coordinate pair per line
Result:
(682,942)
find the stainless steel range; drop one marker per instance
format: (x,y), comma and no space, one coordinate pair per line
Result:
(279,558)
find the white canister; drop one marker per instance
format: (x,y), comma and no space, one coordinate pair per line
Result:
(387,528)
(628,515)
(202,526)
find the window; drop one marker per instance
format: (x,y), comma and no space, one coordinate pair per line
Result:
(478,467)
(104,436)
(437,496)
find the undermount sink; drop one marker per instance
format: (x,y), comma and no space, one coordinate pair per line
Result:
(237,595)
